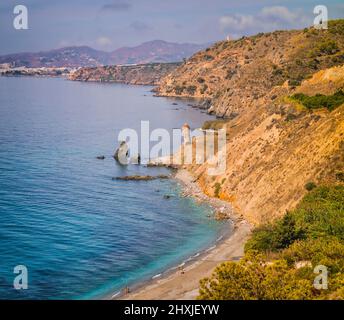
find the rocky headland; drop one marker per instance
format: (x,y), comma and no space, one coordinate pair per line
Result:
(143,74)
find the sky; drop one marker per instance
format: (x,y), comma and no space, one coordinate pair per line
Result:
(111,24)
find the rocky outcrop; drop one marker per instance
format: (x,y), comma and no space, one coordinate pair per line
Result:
(144,74)
(122,153)
(141,178)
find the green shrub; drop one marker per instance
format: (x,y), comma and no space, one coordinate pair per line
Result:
(191,89)
(277,71)
(328,47)
(336,26)
(325,47)
(311,235)
(253,279)
(217,190)
(327,251)
(330,102)
(179,90)
(290,117)
(309,186)
(294,82)
(277,236)
(320,213)
(340,176)
(203,89)
(208,57)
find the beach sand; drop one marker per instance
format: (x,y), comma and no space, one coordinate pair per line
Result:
(183,283)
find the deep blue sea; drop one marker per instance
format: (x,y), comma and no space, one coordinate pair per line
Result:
(80,234)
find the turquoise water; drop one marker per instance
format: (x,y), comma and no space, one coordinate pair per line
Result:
(81,234)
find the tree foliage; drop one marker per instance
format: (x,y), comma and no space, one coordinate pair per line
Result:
(280,257)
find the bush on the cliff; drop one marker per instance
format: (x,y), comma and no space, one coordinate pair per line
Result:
(280,257)
(217,189)
(320,213)
(179,89)
(309,186)
(330,102)
(273,237)
(325,47)
(191,90)
(254,278)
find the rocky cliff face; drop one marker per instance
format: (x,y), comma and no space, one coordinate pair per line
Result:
(234,75)
(274,145)
(275,149)
(145,74)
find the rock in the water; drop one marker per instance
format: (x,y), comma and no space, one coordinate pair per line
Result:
(122,153)
(101,157)
(141,178)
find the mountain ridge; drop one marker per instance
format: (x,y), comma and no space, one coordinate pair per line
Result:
(85,56)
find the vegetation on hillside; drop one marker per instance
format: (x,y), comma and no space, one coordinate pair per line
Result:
(316,50)
(251,66)
(281,256)
(317,101)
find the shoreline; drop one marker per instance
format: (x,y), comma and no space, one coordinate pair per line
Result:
(182,281)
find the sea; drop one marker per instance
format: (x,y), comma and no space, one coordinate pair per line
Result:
(66,226)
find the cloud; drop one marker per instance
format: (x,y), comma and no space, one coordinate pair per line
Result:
(237,22)
(140,26)
(104,41)
(63,43)
(282,15)
(118,5)
(268,19)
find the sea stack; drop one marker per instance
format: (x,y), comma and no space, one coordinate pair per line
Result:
(122,153)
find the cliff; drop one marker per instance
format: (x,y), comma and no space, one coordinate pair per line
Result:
(275,144)
(232,76)
(144,74)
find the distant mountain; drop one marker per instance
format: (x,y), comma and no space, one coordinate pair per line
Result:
(64,57)
(155,51)
(148,52)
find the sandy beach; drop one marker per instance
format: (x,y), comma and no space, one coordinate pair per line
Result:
(183,282)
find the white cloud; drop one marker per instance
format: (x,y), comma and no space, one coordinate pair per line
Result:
(104,41)
(63,43)
(139,26)
(237,22)
(282,15)
(268,19)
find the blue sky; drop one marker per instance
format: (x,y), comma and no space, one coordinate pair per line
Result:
(110,24)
